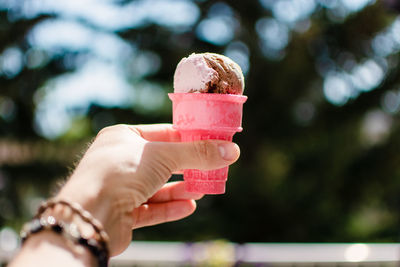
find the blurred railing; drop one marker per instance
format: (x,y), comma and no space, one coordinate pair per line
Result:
(221,253)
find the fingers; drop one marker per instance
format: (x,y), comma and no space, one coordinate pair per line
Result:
(156,132)
(203,155)
(173,191)
(176,155)
(156,213)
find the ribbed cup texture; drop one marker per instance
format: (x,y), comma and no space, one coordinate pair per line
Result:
(205,182)
(199,116)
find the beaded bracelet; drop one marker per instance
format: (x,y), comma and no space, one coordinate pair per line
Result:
(85,215)
(68,230)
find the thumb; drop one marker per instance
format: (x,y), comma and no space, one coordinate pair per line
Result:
(202,155)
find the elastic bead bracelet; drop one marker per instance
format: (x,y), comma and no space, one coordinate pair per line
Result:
(68,230)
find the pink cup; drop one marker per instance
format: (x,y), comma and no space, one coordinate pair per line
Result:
(202,116)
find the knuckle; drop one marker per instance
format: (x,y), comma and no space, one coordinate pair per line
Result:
(105,130)
(203,150)
(111,128)
(102,131)
(165,163)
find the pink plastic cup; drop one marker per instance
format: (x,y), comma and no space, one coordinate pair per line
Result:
(202,116)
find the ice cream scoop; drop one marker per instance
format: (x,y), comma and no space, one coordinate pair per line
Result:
(208,73)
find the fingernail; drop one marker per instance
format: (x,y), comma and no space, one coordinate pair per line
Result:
(228,151)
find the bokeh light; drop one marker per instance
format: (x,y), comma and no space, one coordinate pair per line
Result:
(356,252)
(376,127)
(274,37)
(71,94)
(391,101)
(9,240)
(240,53)
(337,89)
(293,11)
(220,25)
(108,16)
(11,62)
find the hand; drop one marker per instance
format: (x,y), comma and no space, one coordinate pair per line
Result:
(121,178)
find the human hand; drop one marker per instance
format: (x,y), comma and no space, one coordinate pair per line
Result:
(121,178)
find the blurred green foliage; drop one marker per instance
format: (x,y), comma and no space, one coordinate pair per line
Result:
(320,153)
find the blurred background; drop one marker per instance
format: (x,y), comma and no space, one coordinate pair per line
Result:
(320,148)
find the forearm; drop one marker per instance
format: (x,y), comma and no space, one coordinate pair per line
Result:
(50,249)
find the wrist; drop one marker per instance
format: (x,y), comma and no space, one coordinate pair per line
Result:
(67,215)
(94,198)
(69,211)
(47,248)
(111,205)
(74,224)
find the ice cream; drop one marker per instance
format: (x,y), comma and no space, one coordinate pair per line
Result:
(208,73)
(207,104)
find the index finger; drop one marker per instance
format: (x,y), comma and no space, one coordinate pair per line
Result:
(157,132)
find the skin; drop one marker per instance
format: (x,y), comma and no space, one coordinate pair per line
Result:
(121,181)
